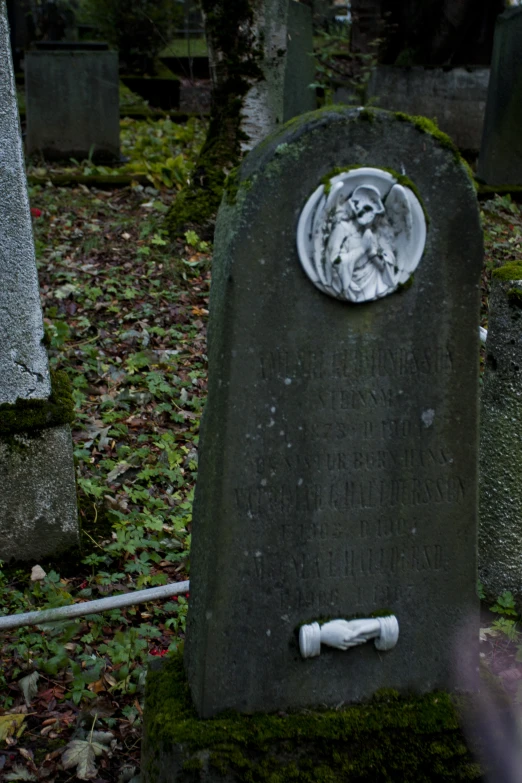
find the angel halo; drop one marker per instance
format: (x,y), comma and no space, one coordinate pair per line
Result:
(363,238)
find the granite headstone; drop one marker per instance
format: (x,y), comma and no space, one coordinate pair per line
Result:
(500,529)
(338,457)
(38,514)
(72,104)
(500,159)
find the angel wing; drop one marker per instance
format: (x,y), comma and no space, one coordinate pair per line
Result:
(398,211)
(320,232)
(398,214)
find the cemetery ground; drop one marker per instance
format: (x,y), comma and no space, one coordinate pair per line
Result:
(125,314)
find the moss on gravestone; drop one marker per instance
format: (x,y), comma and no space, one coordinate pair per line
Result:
(426,125)
(33,415)
(511,271)
(411,740)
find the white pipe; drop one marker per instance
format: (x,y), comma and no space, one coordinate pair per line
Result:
(483,334)
(92,607)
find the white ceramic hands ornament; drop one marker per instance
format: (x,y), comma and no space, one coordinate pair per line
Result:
(344,634)
(363,238)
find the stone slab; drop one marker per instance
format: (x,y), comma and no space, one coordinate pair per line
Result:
(500,159)
(454,98)
(300,65)
(38,511)
(338,453)
(24,370)
(500,530)
(72,103)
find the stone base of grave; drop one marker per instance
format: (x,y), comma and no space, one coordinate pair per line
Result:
(38,505)
(389,739)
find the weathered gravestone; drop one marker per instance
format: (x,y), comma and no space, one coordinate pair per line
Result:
(500,531)
(500,159)
(338,458)
(38,513)
(455,98)
(73,103)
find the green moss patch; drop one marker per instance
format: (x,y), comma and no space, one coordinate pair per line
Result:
(31,415)
(411,740)
(512,271)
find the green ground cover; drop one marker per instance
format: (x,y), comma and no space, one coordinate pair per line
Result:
(125,314)
(186,47)
(159,150)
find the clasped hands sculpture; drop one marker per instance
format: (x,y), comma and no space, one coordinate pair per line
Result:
(344,634)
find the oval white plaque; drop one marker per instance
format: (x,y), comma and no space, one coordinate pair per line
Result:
(363,238)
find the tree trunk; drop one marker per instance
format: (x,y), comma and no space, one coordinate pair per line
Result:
(247,42)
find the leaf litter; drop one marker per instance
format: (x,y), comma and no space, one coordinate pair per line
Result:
(125,314)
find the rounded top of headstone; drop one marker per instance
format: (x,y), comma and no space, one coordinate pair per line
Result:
(403,171)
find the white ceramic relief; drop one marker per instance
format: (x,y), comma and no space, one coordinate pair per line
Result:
(344,634)
(363,238)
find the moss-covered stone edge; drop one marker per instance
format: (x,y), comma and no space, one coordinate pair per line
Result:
(391,738)
(370,114)
(25,416)
(425,125)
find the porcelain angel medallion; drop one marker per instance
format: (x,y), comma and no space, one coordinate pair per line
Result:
(362,237)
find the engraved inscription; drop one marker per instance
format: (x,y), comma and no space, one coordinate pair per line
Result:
(361,362)
(352,485)
(350,562)
(340,461)
(348,495)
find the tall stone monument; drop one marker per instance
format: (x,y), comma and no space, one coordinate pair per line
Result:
(334,533)
(500,159)
(500,531)
(38,513)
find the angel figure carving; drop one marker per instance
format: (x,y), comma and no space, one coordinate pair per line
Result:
(359,242)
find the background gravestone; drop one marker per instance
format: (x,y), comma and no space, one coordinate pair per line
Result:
(454,98)
(38,514)
(338,458)
(72,104)
(300,65)
(500,532)
(500,160)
